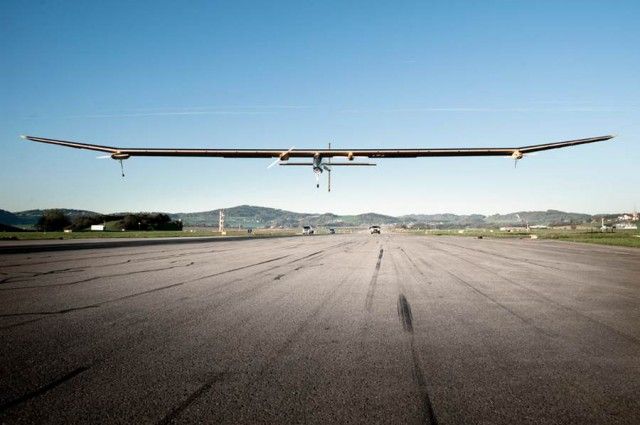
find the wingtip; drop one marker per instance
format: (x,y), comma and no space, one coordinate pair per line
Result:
(23,137)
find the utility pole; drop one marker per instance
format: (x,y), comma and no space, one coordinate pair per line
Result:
(221,222)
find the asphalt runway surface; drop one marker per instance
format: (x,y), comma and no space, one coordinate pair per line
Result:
(343,328)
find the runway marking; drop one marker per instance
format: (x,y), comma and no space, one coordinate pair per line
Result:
(42,390)
(373,282)
(406,318)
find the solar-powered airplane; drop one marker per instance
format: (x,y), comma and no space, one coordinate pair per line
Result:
(318,159)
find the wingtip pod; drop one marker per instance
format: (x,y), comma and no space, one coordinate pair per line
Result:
(23,137)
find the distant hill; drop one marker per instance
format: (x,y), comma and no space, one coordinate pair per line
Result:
(9,228)
(7,217)
(549,218)
(251,216)
(246,216)
(444,220)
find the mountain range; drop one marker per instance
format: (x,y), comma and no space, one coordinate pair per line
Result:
(246,216)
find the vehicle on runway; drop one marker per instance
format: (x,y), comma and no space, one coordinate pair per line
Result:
(308,230)
(320,159)
(374,230)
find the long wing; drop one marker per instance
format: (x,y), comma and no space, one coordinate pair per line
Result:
(310,153)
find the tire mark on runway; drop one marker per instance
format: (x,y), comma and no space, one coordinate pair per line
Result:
(54,285)
(373,283)
(173,414)
(313,314)
(619,284)
(113,300)
(81,258)
(404,313)
(175,253)
(308,266)
(45,313)
(550,300)
(506,257)
(406,319)
(492,299)
(415,266)
(15,279)
(42,390)
(270,358)
(313,254)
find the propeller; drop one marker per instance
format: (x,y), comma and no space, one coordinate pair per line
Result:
(517,155)
(111,157)
(279,159)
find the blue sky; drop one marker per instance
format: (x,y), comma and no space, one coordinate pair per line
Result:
(356,74)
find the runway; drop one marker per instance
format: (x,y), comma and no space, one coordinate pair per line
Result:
(342,328)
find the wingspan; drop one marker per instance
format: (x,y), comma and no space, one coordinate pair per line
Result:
(324,153)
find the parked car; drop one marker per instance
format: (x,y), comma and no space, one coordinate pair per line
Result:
(308,230)
(332,231)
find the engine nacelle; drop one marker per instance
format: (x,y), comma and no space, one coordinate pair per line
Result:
(120,156)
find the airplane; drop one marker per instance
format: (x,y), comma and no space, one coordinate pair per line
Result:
(320,159)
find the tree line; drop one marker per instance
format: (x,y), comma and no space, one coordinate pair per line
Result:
(56,220)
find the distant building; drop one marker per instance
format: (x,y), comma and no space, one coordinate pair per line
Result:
(98,227)
(513,229)
(629,217)
(626,226)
